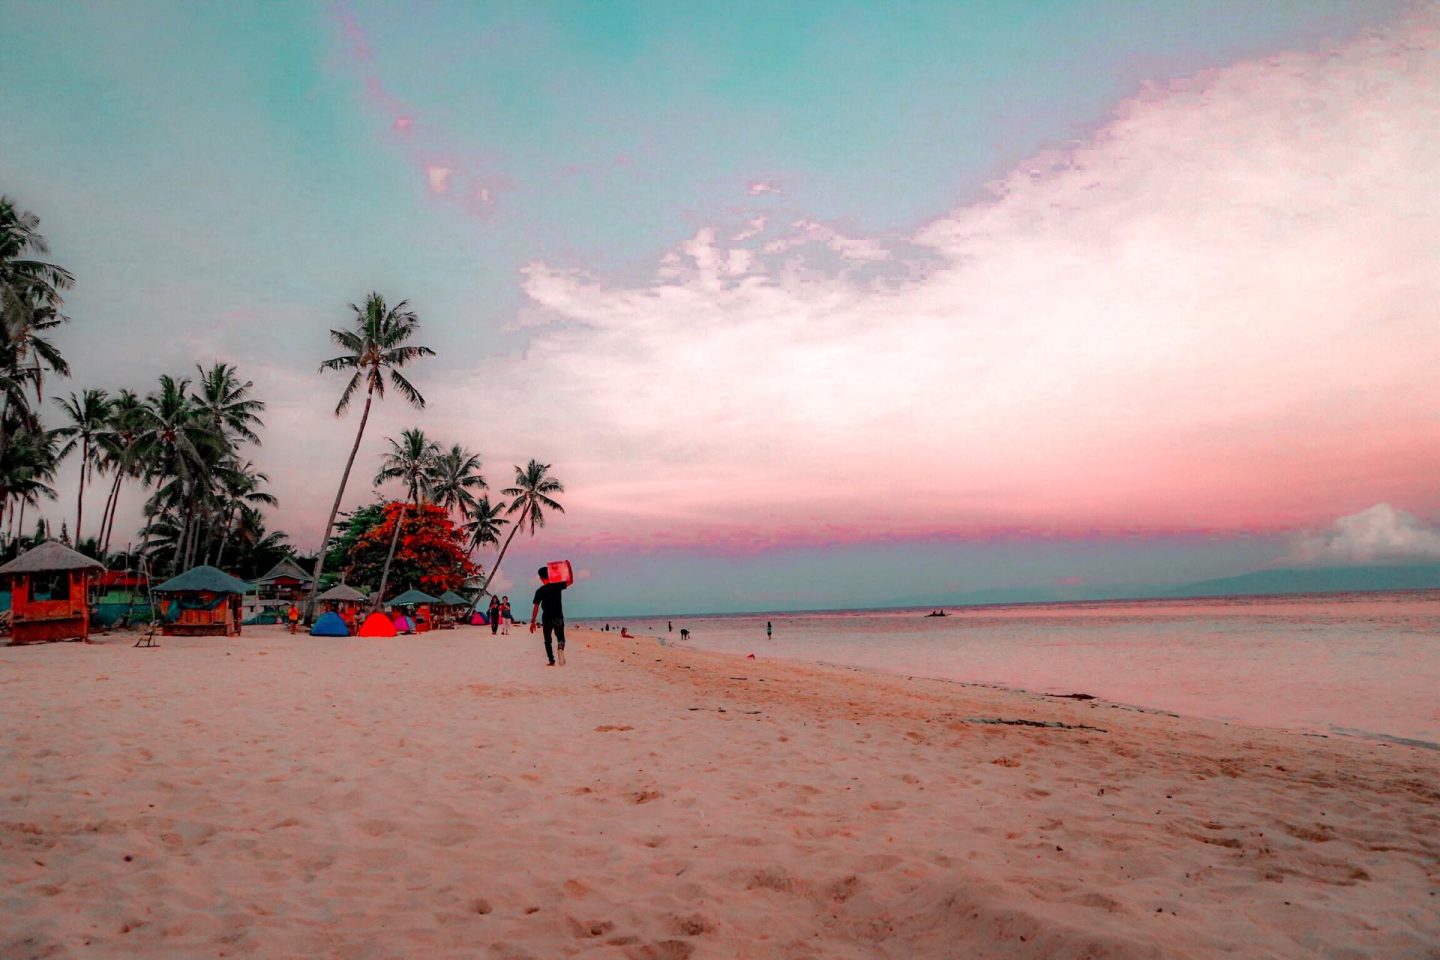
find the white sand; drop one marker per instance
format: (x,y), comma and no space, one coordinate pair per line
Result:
(450,796)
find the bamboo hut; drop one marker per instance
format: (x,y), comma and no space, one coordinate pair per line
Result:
(421,601)
(202,602)
(50,594)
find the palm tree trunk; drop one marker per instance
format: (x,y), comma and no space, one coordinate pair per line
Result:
(113,509)
(80,497)
(339,495)
(385,571)
(496,569)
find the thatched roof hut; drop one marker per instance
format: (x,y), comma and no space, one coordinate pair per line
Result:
(49,598)
(204,601)
(342,593)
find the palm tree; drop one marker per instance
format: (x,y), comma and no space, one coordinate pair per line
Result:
(119,444)
(530,498)
(89,415)
(239,489)
(227,403)
(374,347)
(412,460)
(27,468)
(453,475)
(482,527)
(30,301)
(178,446)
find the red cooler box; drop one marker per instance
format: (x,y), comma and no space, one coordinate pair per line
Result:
(558,571)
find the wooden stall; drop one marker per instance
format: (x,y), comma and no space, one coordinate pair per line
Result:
(50,594)
(451,609)
(202,602)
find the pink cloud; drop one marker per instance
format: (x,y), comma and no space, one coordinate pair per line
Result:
(759,188)
(1216,315)
(404,124)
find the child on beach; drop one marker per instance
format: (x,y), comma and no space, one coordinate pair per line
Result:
(548,602)
(293,617)
(505,616)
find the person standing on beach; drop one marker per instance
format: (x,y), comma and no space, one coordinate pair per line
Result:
(293,616)
(768,630)
(494,615)
(548,603)
(505,616)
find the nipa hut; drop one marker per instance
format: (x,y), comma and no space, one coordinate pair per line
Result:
(284,584)
(202,602)
(49,593)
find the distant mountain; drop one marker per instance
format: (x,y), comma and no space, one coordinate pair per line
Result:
(1420,576)
(1423,576)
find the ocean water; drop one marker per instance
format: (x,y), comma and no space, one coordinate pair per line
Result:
(1359,664)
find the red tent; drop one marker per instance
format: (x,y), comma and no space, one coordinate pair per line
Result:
(376,625)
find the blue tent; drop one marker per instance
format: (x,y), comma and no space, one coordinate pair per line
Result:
(329,624)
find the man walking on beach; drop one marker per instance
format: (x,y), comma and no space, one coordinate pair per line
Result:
(548,604)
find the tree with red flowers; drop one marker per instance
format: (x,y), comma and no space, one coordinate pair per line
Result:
(429,555)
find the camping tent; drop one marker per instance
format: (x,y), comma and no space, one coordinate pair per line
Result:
(376,625)
(403,624)
(329,624)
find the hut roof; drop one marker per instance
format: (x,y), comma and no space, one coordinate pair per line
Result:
(341,591)
(286,569)
(203,579)
(409,597)
(452,599)
(50,555)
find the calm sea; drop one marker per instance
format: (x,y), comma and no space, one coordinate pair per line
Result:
(1359,664)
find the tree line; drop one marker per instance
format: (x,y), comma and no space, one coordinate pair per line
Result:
(189,443)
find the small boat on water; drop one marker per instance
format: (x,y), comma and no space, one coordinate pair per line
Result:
(937,613)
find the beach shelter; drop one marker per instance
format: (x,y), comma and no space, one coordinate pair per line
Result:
(376,625)
(286,582)
(202,602)
(329,624)
(50,593)
(421,602)
(451,607)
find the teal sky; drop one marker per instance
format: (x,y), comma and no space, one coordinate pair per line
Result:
(224,178)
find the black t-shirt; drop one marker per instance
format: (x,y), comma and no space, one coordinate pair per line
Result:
(548,597)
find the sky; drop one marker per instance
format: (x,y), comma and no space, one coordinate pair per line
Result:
(807,304)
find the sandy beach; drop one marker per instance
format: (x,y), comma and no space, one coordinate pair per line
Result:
(449,795)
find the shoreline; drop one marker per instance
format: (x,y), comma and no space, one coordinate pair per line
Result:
(1368,736)
(448,795)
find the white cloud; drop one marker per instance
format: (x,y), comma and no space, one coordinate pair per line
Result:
(437,178)
(1216,314)
(1374,535)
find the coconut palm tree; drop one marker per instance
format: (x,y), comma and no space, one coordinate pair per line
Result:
(411,460)
(530,498)
(454,476)
(239,490)
(178,446)
(31,295)
(483,524)
(374,347)
(89,420)
(27,469)
(118,456)
(227,403)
